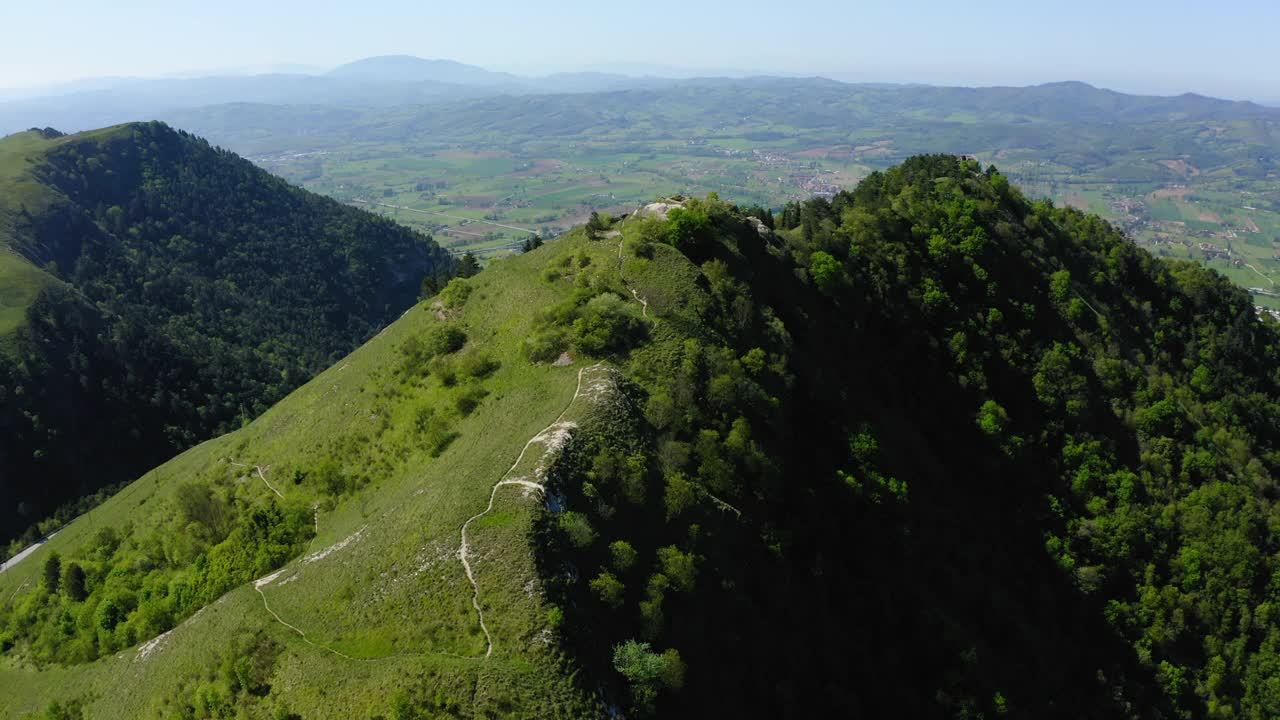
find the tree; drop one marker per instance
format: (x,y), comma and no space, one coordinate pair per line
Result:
(52,572)
(689,230)
(577,529)
(622,555)
(198,504)
(647,671)
(73,582)
(596,226)
(609,589)
(681,568)
(826,272)
(468,265)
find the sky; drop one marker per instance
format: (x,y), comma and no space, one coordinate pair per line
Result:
(1224,48)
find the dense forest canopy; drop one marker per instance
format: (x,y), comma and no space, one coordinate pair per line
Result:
(197,290)
(931,450)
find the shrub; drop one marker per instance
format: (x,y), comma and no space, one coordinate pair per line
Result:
(478,365)
(330,478)
(421,353)
(455,294)
(545,345)
(607,324)
(435,430)
(469,400)
(443,340)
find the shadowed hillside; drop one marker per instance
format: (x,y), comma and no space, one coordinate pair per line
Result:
(178,291)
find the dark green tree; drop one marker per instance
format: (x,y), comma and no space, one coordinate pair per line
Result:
(468,265)
(73,582)
(52,572)
(596,226)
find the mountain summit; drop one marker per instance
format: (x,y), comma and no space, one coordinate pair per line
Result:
(410,69)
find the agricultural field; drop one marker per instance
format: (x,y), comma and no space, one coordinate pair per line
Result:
(489,201)
(1231,224)
(1185,177)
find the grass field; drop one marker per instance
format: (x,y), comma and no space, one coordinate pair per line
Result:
(381,596)
(20,280)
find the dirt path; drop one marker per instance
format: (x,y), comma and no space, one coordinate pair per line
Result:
(644,304)
(551,437)
(263,582)
(259,584)
(1264,277)
(258,469)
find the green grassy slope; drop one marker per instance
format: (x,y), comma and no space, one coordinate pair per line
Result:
(388,607)
(20,281)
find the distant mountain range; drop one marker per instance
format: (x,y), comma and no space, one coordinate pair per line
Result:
(402,80)
(373,82)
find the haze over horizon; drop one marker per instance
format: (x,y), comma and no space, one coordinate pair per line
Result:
(1141,47)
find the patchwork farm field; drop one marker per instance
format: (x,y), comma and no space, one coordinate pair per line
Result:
(1182,177)
(489,200)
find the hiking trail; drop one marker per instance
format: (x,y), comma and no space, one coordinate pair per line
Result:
(553,437)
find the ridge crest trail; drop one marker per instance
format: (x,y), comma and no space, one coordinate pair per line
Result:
(553,437)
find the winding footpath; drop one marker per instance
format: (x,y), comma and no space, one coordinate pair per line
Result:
(1260,274)
(644,304)
(258,469)
(551,437)
(259,584)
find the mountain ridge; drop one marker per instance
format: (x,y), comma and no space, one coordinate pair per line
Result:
(402,80)
(928,448)
(166,263)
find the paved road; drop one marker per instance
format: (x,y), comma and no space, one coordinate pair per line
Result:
(23,555)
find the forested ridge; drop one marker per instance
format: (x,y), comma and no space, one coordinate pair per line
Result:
(929,450)
(197,291)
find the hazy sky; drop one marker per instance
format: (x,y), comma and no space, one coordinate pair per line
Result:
(1227,48)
